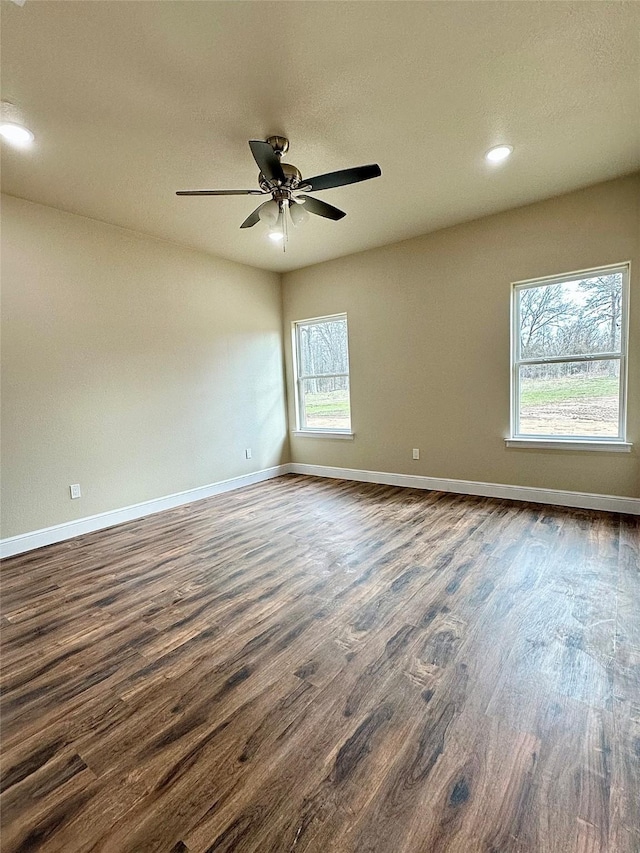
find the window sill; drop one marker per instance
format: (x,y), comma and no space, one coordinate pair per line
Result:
(569,444)
(322,433)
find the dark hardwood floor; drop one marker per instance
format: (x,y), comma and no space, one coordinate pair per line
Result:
(326,666)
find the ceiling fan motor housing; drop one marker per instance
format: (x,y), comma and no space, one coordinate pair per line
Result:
(291,174)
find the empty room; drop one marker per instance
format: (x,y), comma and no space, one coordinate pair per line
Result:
(320,522)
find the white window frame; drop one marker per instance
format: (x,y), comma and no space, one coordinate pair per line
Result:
(528,440)
(301,428)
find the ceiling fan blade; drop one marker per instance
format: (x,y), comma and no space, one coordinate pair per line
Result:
(220,192)
(343,177)
(321,208)
(254,217)
(268,163)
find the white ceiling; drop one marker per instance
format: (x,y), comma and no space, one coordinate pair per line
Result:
(131,101)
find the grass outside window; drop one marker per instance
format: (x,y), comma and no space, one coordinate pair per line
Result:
(569,344)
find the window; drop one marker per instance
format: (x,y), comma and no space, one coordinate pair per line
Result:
(322,375)
(569,353)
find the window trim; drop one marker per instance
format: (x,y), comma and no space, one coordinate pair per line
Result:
(301,428)
(570,442)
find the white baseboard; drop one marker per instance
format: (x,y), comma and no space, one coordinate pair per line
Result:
(582,500)
(69,529)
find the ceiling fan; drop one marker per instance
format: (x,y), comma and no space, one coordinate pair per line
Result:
(288,190)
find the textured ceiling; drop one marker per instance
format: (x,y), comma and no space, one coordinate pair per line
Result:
(131,101)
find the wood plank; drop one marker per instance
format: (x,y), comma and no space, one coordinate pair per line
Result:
(329,667)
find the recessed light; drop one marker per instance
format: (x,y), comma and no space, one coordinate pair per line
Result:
(498,154)
(16,134)
(276,236)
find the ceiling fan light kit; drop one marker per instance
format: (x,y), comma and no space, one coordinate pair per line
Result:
(284,183)
(298,212)
(269,212)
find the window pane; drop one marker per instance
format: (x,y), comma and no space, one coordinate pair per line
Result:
(572,398)
(326,403)
(580,317)
(323,348)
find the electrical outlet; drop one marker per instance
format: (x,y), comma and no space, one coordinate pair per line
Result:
(416,453)
(75,491)
(247,453)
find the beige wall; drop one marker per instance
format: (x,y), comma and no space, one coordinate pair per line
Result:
(139,368)
(134,367)
(429,342)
